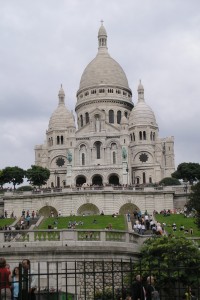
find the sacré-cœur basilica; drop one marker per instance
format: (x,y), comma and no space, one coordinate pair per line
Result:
(112,159)
(116,142)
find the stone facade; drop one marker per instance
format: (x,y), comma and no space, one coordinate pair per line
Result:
(84,202)
(114,143)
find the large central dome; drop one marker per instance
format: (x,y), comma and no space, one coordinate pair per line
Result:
(103,69)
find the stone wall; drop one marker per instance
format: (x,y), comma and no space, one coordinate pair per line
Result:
(79,202)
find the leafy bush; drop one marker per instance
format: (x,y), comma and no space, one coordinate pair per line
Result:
(25,188)
(169,181)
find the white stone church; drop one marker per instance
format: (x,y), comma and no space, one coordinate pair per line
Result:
(115,142)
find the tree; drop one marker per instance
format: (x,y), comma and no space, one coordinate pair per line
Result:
(1,179)
(170,260)
(14,175)
(194,201)
(37,175)
(169,181)
(187,171)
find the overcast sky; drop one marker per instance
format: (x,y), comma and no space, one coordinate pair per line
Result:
(46,43)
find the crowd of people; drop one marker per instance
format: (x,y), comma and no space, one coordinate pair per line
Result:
(144,223)
(13,285)
(147,290)
(141,290)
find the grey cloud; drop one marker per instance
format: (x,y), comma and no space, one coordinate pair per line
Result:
(44,44)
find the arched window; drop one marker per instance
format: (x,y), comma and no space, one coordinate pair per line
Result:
(81,117)
(140,135)
(151,136)
(82,155)
(126,114)
(119,116)
(86,117)
(150,180)
(114,157)
(58,140)
(61,138)
(144,177)
(98,149)
(133,136)
(111,116)
(144,135)
(83,159)
(58,181)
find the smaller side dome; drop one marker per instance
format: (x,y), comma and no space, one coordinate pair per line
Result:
(61,118)
(142,114)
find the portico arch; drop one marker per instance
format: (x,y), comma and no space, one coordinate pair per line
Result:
(97,180)
(80,180)
(128,207)
(113,179)
(88,209)
(47,211)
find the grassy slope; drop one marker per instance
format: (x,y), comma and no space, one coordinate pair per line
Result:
(102,222)
(179,219)
(7,221)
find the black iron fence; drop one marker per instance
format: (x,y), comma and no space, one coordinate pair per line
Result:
(104,280)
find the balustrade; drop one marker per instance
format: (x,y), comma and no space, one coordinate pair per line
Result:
(35,236)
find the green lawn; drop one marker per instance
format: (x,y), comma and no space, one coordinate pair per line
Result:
(118,223)
(7,221)
(179,219)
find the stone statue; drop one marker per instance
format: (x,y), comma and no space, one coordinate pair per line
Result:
(124,153)
(69,156)
(98,125)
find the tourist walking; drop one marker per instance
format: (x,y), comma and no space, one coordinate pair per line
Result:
(5,280)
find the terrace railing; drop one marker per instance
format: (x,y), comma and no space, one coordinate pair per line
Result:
(177,189)
(70,236)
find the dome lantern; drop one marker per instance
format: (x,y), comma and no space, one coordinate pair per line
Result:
(61,96)
(102,37)
(140,92)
